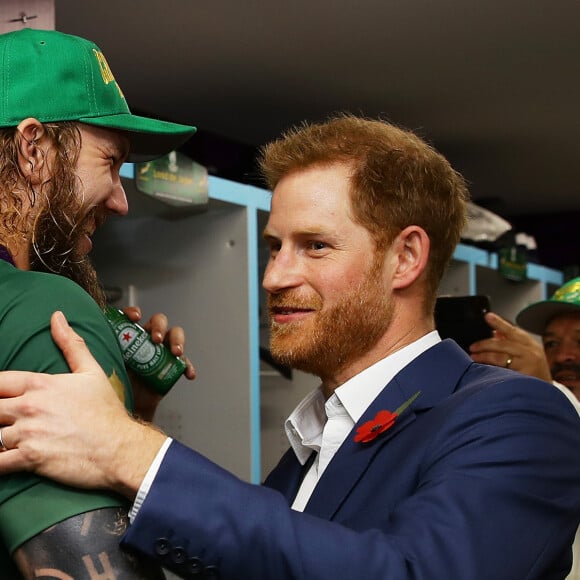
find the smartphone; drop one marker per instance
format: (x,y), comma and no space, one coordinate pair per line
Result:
(461,318)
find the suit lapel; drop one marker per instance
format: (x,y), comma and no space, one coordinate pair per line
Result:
(436,374)
(288,474)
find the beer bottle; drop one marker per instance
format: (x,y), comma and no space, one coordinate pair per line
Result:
(153,362)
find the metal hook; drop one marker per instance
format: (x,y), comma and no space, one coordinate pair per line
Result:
(24,18)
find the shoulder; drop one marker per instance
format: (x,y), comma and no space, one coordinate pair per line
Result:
(27,302)
(31,297)
(23,287)
(502,418)
(503,384)
(496,401)
(456,381)
(24,283)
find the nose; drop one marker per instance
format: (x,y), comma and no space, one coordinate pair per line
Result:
(117,202)
(282,272)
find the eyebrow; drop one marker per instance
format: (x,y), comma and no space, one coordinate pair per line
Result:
(320,231)
(550,333)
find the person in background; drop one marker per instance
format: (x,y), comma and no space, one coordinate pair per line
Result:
(408,461)
(65,131)
(557,322)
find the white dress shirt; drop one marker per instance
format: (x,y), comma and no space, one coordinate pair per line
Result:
(316,425)
(148,480)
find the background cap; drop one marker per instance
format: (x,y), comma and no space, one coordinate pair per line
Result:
(54,77)
(566,299)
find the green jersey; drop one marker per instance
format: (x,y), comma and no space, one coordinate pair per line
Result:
(30,504)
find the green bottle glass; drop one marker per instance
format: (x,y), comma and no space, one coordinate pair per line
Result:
(153,362)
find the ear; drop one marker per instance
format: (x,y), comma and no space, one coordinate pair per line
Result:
(411,249)
(31,156)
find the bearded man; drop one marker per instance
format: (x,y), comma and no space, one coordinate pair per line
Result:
(65,131)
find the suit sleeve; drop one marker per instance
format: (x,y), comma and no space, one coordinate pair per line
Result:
(491,491)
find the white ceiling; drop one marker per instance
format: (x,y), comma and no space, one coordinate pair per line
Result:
(493,84)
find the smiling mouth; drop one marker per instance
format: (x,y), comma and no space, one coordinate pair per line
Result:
(566,377)
(289,310)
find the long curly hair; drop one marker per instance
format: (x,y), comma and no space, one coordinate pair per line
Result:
(17,191)
(46,216)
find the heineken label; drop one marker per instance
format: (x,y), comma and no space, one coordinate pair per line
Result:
(153,362)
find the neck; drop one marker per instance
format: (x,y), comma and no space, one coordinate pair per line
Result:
(400,334)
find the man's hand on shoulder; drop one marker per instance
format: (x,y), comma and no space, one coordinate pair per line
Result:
(72,428)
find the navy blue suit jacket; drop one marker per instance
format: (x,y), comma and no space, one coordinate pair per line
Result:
(478,479)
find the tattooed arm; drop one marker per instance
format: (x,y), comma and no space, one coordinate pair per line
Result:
(84,547)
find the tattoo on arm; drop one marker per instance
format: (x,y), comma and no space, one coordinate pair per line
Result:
(84,547)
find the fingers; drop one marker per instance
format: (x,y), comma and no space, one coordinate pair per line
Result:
(190,372)
(495,358)
(133,312)
(73,347)
(12,461)
(173,338)
(157,327)
(499,324)
(507,337)
(176,341)
(502,349)
(511,347)
(13,383)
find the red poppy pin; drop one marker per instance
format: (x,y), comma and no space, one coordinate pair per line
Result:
(383,420)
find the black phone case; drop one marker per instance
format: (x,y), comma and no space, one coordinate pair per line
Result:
(461,318)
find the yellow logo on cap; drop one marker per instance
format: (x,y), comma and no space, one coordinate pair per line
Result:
(106,72)
(568,293)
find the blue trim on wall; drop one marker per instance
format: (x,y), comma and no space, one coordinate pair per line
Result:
(127,170)
(254,325)
(238,193)
(547,275)
(471,254)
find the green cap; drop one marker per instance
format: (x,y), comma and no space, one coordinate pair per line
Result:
(565,300)
(55,77)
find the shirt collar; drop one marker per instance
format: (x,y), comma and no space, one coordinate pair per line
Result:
(361,390)
(305,424)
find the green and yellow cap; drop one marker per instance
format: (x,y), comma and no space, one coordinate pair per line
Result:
(535,317)
(54,77)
